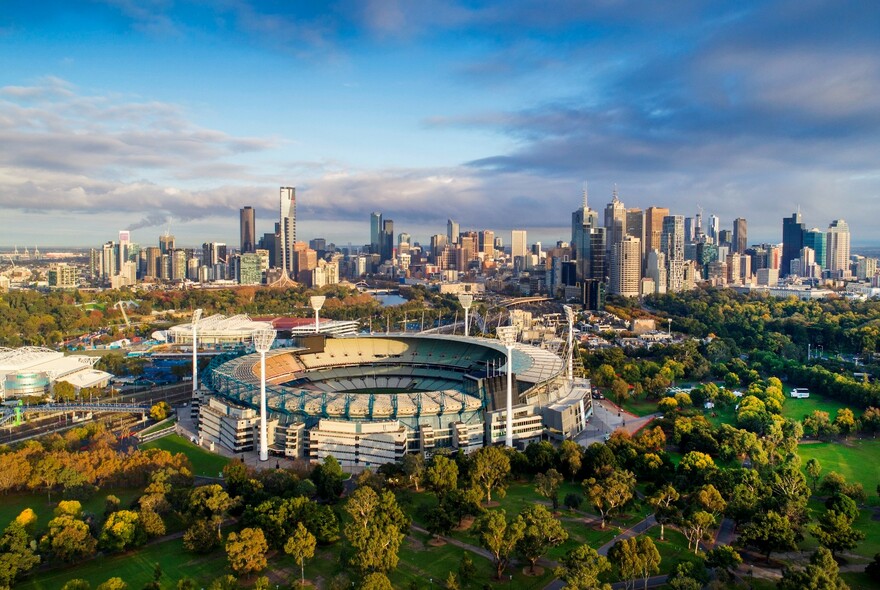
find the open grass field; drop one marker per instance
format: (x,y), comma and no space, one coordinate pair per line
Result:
(136,568)
(640,406)
(204,462)
(796,409)
(12,505)
(857,460)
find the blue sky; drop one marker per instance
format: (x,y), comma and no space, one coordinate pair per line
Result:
(136,114)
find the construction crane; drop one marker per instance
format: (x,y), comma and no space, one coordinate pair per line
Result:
(121,307)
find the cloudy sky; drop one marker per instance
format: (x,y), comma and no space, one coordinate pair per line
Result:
(140,114)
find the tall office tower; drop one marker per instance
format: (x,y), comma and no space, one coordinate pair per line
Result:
(714,228)
(452,231)
(615,221)
(688,230)
(387,249)
(586,233)
(734,272)
(375,233)
(698,225)
(248,230)
(518,245)
(124,249)
(837,248)
(108,260)
(318,244)
(466,251)
(166,243)
(655,269)
(815,238)
(626,267)
(672,245)
(404,238)
(287,224)
(153,257)
(740,235)
(792,241)
(635,227)
(487,243)
(178,265)
(438,243)
(654,227)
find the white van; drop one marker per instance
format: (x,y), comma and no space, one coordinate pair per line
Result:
(800,393)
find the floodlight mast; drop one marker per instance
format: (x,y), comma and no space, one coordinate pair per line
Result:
(262,343)
(317,302)
(197,315)
(507,336)
(569,315)
(466,300)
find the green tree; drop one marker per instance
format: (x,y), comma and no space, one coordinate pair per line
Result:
(466,568)
(121,530)
(604,375)
(814,470)
(581,568)
(620,391)
(610,494)
(115,583)
(769,532)
(500,537)
(542,532)
(413,465)
(328,479)
(724,559)
(452,582)
(201,536)
(845,422)
(63,391)
(17,556)
(246,551)
(76,584)
(301,546)
(636,557)
(547,484)
(489,471)
(822,573)
(209,502)
(834,531)
(68,539)
(696,527)
(375,531)
(442,474)
(570,458)
(663,501)
(376,581)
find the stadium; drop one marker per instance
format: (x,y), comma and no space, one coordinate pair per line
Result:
(369,399)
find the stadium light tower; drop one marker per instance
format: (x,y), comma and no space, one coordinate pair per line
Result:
(263,342)
(317,302)
(507,336)
(197,315)
(466,300)
(569,315)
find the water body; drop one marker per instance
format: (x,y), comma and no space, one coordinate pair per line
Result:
(389,300)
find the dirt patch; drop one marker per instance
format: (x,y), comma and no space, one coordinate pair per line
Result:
(538,571)
(492,504)
(435,542)
(466,523)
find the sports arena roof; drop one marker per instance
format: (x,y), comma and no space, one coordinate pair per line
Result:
(75,369)
(218,329)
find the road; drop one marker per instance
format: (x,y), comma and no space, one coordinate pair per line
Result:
(608,417)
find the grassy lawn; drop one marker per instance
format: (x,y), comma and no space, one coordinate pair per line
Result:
(858,581)
(204,462)
(856,460)
(640,406)
(673,550)
(12,505)
(796,409)
(136,568)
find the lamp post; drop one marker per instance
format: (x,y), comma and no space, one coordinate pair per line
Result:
(317,302)
(197,315)
(569,315)
(263,342)
(466,300)
(507,336)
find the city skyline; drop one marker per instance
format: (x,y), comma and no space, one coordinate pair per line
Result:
(127,119)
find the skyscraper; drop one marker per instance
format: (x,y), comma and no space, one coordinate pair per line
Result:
(714,228)
(615,221)
(387,250)
(166,243)
(815,238)
(518,244)
(124,249)
(740,235)
(626,267)
(654,227)
(247,230)
(288,229)
(586,236)
(672,245)
(792,241)
(375,233)
(487,243)
(837,248)
(452,231)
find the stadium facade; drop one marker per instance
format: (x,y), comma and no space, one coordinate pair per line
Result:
(32,371)
(367,400)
